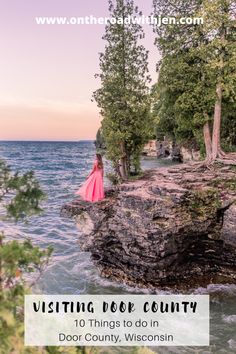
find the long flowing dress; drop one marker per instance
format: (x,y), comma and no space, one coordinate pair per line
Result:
(92,190)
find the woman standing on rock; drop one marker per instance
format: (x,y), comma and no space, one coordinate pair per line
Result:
(92,190)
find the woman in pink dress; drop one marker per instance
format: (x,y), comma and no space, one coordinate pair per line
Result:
(92,190)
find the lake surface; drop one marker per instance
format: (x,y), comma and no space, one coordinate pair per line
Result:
(60,168)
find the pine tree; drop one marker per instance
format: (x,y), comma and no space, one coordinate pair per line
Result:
(124,94)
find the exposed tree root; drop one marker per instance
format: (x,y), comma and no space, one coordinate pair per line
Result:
(208,163)
(226,161)
(226,158)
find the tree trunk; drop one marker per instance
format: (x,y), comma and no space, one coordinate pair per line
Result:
(216,146)
(123,163)
(123,172)
(217,123)
(207,141)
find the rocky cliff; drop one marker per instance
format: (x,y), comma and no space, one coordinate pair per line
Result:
(150,149)
(172,227)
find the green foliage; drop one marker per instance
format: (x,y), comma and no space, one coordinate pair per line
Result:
(194,60)
(100,141)
(228,185)
(229,127)
(24,191)
(16,259)
(72,350)
(113,178)
(202,204)
(124,95)
(21,257)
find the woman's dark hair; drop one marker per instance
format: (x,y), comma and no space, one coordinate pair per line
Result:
(99,159)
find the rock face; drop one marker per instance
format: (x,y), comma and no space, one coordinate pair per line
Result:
(190,154)
(229,227)
(150,149)
(172,226)
(169,148)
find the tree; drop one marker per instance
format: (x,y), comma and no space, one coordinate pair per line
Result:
(99,142)
(124,95)
(220,29)
(179,110)
(199,66)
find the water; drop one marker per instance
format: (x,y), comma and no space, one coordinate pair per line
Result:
(61,168)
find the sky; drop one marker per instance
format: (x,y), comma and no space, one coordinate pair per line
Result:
(47,72)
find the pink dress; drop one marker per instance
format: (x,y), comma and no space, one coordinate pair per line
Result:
(92,190)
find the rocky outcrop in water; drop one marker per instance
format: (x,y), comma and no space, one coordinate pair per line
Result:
(170,149)
(174,226)
(150,149)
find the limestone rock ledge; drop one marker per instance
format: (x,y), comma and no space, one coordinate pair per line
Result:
(175,227)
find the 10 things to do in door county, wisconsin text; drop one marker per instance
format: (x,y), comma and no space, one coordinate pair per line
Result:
(116,320)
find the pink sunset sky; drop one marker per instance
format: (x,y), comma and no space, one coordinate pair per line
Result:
(47,72)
